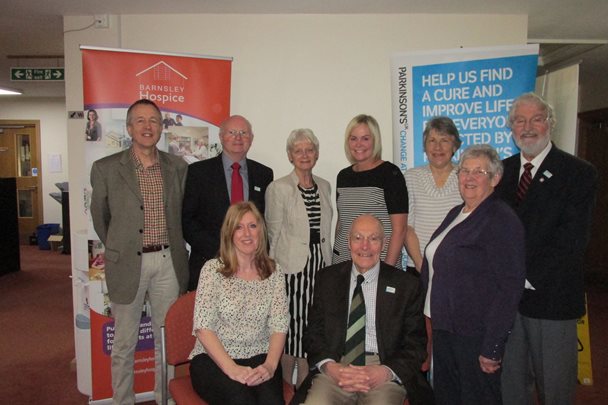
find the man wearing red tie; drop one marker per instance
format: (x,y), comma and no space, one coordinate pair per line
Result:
(213,184)
(553,194)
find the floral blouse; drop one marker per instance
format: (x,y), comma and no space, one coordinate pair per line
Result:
(242,313)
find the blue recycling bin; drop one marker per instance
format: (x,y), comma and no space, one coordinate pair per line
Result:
(42,234)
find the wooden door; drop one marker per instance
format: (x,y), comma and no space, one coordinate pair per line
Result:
(20,158)
(593,146)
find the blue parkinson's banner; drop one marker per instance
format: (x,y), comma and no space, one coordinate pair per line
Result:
(474,87)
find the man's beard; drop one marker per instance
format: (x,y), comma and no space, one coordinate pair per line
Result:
(532,148)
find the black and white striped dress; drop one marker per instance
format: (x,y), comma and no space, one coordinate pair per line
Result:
(300,285)
(380,191)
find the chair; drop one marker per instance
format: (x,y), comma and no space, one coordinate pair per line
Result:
(177,342)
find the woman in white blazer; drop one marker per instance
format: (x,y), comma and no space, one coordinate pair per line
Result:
(298,218)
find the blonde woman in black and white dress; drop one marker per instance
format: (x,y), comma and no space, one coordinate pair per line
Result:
(298,217)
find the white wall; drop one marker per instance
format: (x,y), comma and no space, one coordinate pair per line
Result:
(560,89)
(289,71)
(53,138)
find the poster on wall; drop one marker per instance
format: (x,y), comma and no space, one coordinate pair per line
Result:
(193,94)
(475,87)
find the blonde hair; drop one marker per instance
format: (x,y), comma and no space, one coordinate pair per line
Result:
(374,130)
(264,264)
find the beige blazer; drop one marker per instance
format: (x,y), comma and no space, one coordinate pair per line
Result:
(287,222)
(118,218)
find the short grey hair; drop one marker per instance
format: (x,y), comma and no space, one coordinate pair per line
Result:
(302,135)
(444,126)
(532,98)
(143,101)
(224,124)
(487,151)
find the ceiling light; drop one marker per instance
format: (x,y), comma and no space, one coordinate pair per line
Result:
(8,91)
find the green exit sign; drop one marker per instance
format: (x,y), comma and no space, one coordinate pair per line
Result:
(37,74)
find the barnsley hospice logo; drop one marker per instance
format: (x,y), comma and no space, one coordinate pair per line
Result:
(162,84)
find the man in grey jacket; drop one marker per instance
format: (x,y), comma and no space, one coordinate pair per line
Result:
(136,209)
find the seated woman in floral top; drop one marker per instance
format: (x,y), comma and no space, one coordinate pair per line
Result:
(240,317)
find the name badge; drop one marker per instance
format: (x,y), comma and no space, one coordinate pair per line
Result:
(256,188)
(390,290)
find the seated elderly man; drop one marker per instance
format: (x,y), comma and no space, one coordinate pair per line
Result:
(366,336)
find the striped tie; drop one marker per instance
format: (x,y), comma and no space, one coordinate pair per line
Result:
(524,182)
(355,335)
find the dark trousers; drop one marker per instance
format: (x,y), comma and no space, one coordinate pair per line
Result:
(457,376)
(215,387)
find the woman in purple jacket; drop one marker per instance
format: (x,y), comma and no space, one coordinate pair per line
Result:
(474,271)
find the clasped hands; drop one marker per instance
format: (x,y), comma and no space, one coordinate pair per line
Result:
(488,366)
(251,376)
(357,378)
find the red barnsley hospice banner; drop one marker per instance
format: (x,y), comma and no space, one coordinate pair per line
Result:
(196,86)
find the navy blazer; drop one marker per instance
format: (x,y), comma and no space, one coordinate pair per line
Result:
(478,277)
(400,326)
(206,201)
(556,213)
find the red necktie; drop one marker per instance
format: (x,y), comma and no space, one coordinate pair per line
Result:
(236,193)
(524,182)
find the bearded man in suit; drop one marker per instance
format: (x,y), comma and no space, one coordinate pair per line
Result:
(553,193)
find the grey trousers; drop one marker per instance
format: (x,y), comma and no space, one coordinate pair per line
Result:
(158,280)
(540,354)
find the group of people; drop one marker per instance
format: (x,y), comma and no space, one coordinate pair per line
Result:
(168,121)
(199,152)
(491,293)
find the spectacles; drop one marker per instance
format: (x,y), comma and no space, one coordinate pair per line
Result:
(535,121)
(372,239)
(302,152)
(477,172)
(238,132)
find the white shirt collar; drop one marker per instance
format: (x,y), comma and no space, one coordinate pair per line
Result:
(537,161)
(369,275)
